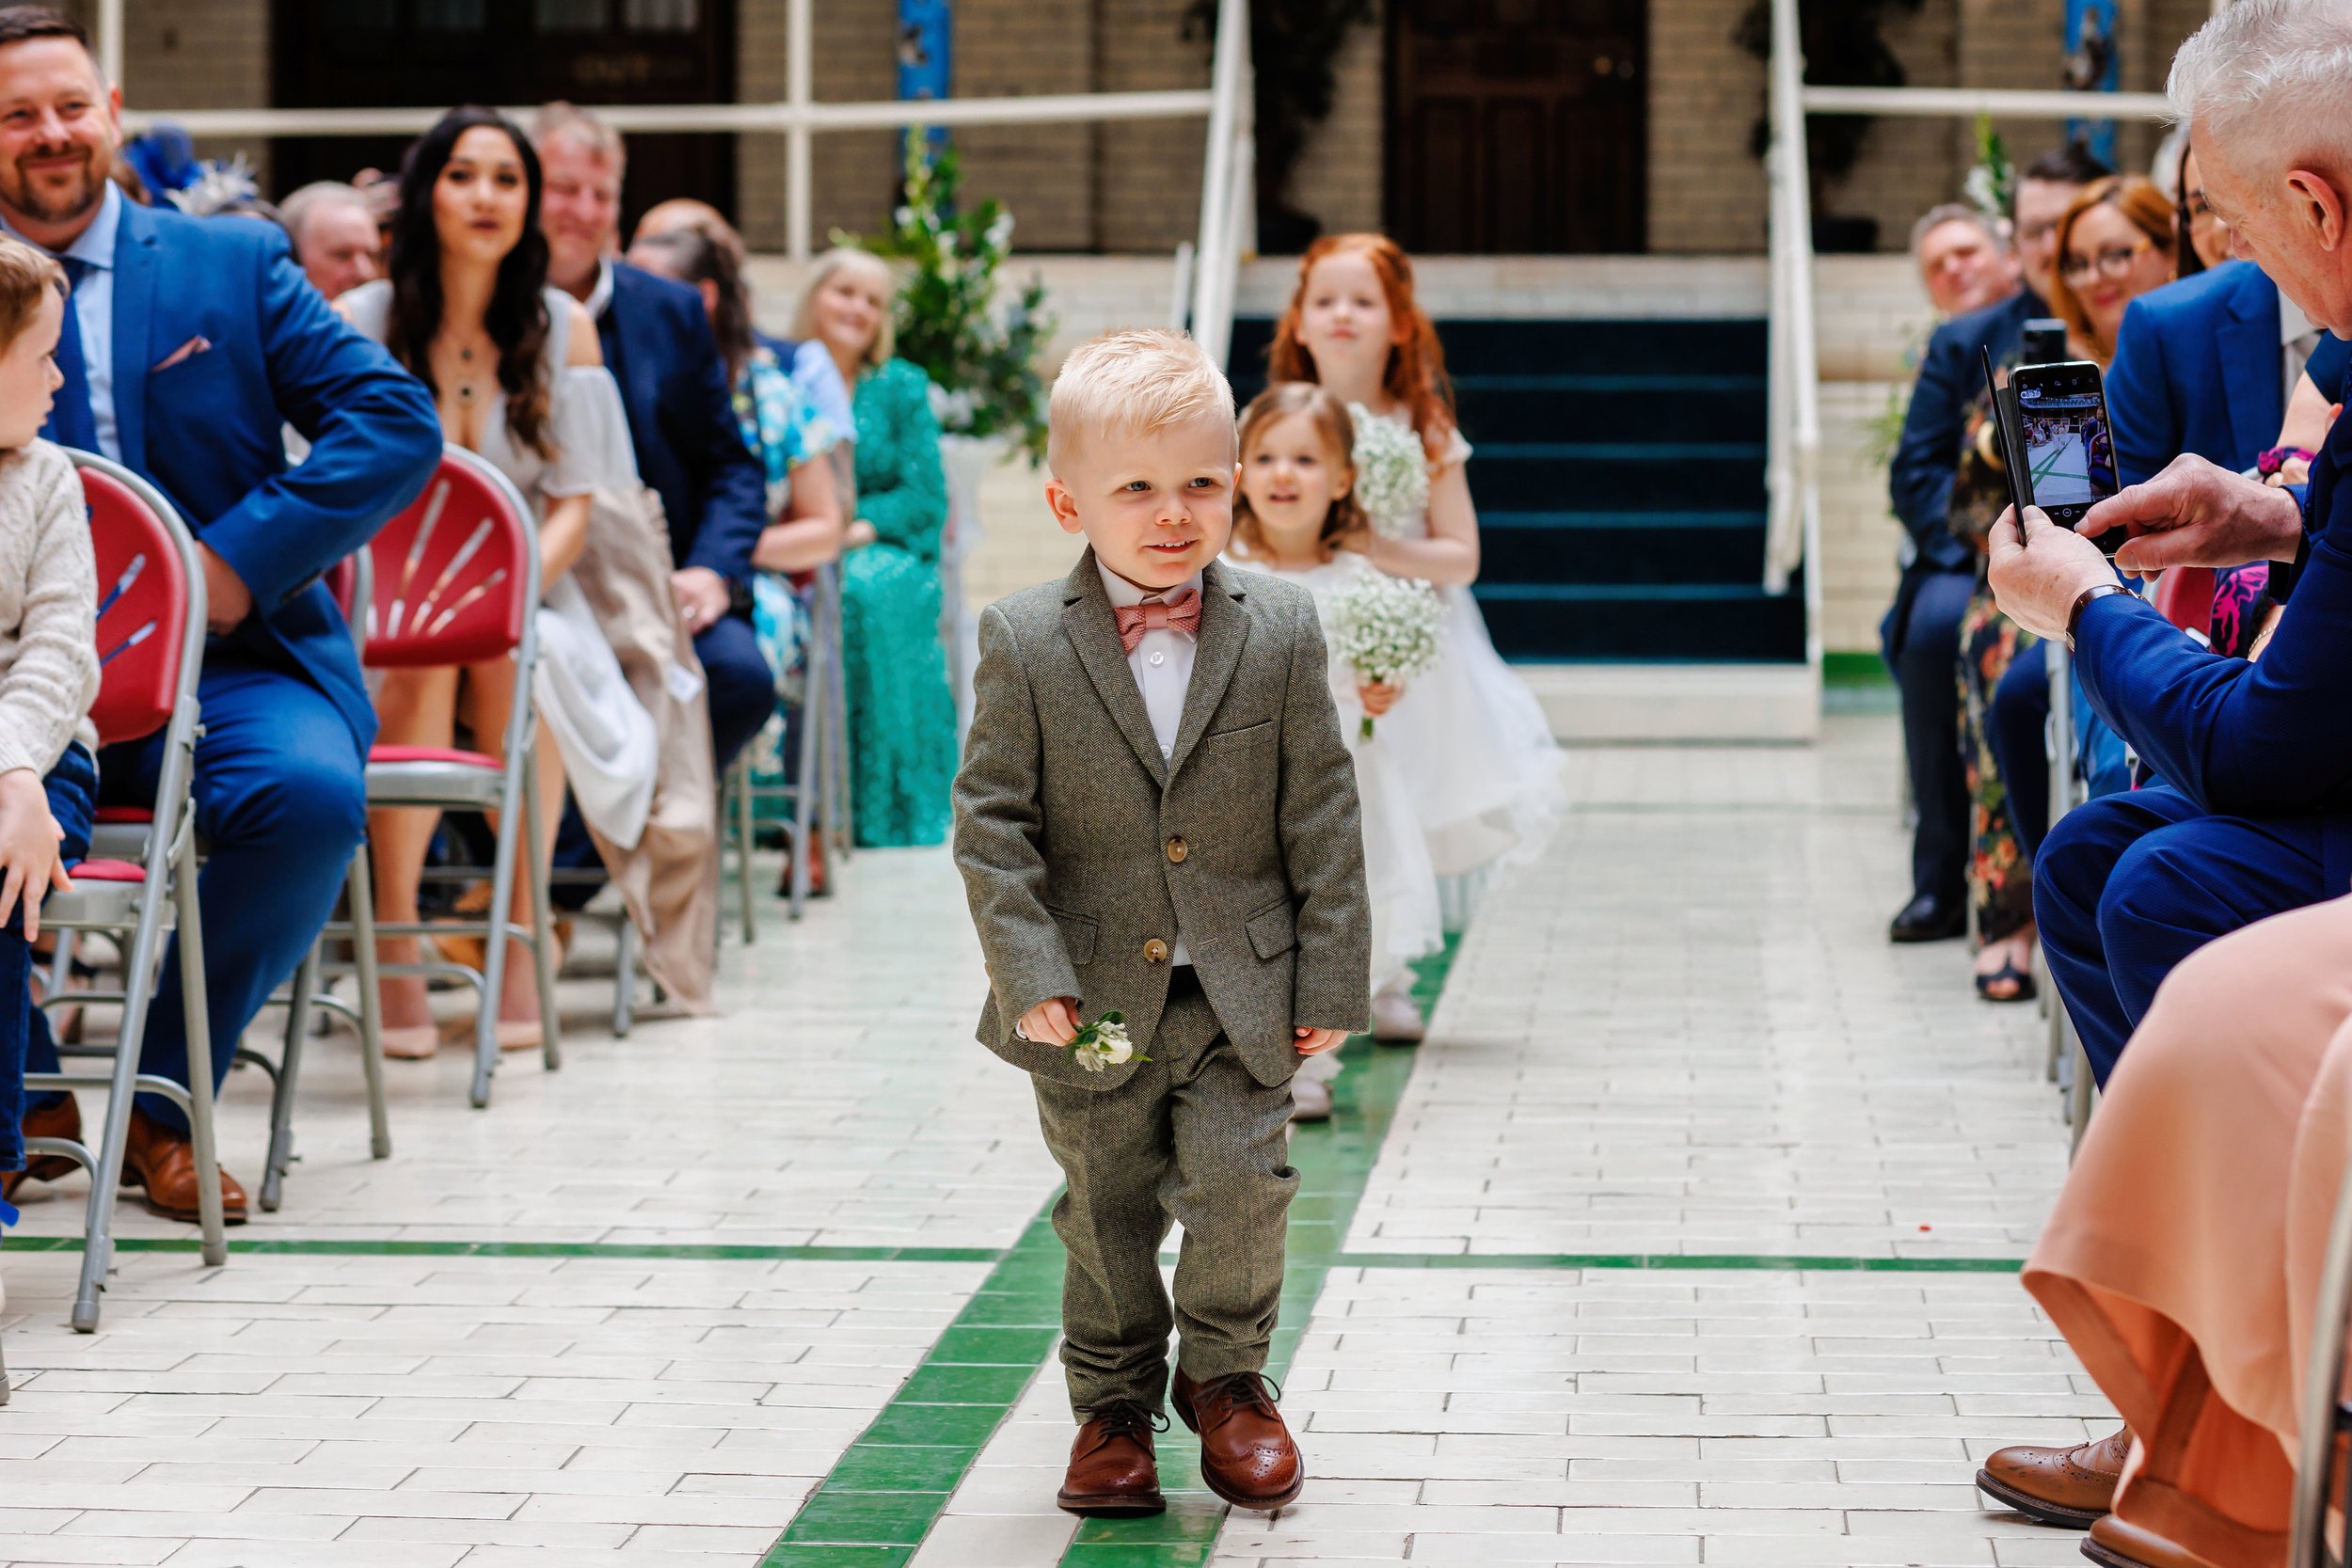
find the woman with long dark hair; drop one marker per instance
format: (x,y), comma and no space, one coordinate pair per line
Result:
(517,374)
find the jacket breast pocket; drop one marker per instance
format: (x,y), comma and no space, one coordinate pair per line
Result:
(1078,933)
(1227,741)
(1273,930)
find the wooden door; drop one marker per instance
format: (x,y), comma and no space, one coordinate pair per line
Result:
(354,53)
(1516,126)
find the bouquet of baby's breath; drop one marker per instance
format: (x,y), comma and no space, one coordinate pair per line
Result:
(1388,628)
(1104,1044)
(1391,474)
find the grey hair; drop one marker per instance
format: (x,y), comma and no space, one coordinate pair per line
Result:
(1955,212)
(2270,73)
(558,119)
(296,209)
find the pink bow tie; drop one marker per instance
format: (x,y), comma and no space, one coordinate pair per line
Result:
(1181,613)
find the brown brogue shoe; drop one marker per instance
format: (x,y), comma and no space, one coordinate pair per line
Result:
(2114,1543)
(2071,1488)
(60,1120)
(162,1161)
(1247,1455)
(1114,1473)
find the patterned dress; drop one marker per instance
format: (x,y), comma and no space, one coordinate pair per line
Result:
(903,712)
(783,430)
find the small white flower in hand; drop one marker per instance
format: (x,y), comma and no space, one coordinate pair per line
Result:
(1104,1044)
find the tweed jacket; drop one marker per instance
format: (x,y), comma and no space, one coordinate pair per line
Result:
(1082,849)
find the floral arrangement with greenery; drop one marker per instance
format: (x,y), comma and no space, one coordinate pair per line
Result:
(982,360)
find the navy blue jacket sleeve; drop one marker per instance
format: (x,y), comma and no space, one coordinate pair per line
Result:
(2149,428)
(735,505)
(1919,481)
(375,441)
(2273,739)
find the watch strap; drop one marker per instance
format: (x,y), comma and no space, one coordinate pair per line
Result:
(2082,602)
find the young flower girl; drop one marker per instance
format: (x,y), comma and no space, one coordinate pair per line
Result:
(1471,741)
(1297,519)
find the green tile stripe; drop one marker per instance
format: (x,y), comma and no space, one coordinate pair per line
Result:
(1673,1261)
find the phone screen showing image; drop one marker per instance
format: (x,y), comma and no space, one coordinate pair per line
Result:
(2070,452)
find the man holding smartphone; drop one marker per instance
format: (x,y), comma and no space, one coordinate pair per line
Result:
(1920,636)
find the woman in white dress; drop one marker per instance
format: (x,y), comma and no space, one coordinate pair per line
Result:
(519,377)
(1472,743)
(1298,520)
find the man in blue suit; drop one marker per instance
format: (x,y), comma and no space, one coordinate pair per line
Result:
(1920,635)
(188,347)
(2255,815)
(681,414)
(2204,364)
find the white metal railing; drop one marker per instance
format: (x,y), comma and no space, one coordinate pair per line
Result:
(1793,449)
(1208,279)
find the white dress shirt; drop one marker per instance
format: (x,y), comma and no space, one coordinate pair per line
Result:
(2298,337)
(94,312)
(1162,664)
(600,298)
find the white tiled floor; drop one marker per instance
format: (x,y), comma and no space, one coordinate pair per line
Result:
(1681,1031)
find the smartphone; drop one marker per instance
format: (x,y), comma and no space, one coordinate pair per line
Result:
(2059,422)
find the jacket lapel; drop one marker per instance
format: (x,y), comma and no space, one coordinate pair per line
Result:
(1094,632)
(2249,345)
(1224,628)
(137,263)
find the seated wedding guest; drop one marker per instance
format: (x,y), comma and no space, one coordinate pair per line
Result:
(681,420)
(1920,634)
(2115,244)
(2193,219)
(47,667)
(2254,817)
(334,236)
(517,374)
(190,346)
(1965,264)
(903,712)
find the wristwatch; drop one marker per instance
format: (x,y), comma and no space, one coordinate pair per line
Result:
(2082,600)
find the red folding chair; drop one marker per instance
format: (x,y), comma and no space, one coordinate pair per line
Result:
(151,643)
(457,581)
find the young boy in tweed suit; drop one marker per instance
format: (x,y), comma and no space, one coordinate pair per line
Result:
(1156,816)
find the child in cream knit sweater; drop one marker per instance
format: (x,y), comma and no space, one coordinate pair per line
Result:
(48,662)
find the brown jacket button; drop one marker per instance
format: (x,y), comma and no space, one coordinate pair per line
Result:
(1155,951)
(1177,851)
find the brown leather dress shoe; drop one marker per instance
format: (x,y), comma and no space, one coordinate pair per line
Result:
(61,1120)
(162,1161)
(2114,1543)
(2071,1488)
(1247,1455)
(1113,1472)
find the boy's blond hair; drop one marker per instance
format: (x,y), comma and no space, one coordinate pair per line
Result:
(1132,382)
(25,274)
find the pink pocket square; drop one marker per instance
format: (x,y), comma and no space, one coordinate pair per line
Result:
(189,350)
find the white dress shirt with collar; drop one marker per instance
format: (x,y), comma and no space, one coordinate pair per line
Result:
(94,312)
(1162,664)
(600,297)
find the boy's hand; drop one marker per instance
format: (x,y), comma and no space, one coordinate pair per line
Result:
(28,848)
(1051,1022)
(1379,696)
(1314,1042)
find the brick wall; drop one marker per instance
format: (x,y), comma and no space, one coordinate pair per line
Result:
(1340,174)
(196,53)
(1707,193)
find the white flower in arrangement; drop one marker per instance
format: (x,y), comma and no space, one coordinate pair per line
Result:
(1104,1044)
(1000,233)
(953,410)
(1391,474)
(1388,628)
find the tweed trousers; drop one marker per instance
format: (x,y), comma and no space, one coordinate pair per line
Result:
(1192,1138)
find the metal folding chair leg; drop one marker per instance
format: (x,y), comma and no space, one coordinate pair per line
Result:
(201,1049)
(841,812)
(306,985)
(542,920)
(499,916)
(813,763)
(740,786)
(624,979)
(361,895)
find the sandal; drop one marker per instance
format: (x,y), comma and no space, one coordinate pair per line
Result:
(2008,973)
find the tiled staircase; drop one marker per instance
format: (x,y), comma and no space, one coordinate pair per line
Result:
(1619,477)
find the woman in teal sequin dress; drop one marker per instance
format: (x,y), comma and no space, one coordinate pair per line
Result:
(903,712)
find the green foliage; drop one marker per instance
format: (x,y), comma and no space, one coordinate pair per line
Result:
(982,360)
(1991,185)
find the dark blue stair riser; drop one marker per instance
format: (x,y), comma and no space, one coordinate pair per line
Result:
(1754,627)
(1563,347)
(1612,408)
(1537,548)
(1628,479)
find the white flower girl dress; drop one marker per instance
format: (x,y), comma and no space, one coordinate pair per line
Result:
(1472,744)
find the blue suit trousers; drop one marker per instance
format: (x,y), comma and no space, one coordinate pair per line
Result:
(281,804)
(2128,885)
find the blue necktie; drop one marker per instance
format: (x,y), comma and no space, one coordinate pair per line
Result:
(71,422)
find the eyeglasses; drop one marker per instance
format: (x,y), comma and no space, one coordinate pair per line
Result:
(2038,233)
(2113,261)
